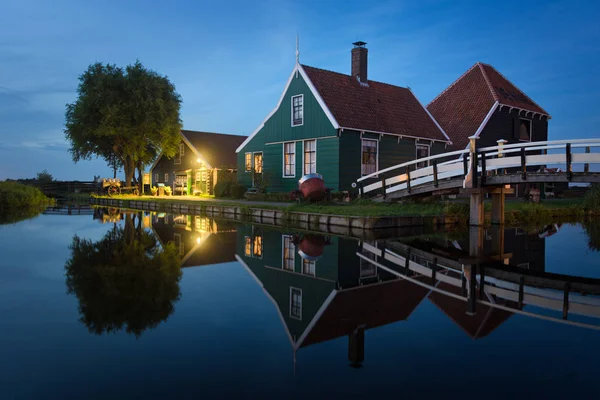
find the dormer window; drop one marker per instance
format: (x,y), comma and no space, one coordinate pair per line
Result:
(525,130)
(298,110)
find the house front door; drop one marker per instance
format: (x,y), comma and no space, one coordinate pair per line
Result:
(258,169)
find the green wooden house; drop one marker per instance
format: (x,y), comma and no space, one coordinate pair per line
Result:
(340,126)
(334,295)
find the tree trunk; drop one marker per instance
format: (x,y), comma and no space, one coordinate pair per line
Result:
(129,168)
(140,177)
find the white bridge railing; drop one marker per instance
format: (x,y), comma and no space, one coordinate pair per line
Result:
(407,176)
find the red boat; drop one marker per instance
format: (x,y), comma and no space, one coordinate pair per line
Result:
(312,187)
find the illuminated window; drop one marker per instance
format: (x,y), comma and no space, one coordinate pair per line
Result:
(289,254)
(295,303)
(369,156)
(422,152)
(257,249)
(248,162)
(248,246)
(310,156)
(308,267)
(289,159)
(258,163)
(297,110)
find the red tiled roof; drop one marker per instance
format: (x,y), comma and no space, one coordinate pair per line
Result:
(461,108)
(479,325)
(218,149)
(378,107)
(369,305)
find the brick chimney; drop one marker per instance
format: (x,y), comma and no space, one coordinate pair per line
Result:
(359,61)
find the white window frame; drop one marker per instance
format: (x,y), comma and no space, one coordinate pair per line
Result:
(417,145)
(156,177)
(301,110)
(293,174)
(262,161)
(283,252)
(299,318)
(166,177)
(310,264)
(246,169)
(530,130)
(304,156)
(376,155)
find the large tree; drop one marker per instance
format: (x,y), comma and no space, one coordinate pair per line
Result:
(125,281)
(126,116)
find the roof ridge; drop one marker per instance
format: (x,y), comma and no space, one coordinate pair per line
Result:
(516,87)
(212,133)
(451,85)
(350,76)
(487,80)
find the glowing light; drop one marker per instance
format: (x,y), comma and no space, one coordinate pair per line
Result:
(199,160)
(198,240)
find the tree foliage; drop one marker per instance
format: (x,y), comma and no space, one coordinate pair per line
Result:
(44,177)
(125,281)
(126,116)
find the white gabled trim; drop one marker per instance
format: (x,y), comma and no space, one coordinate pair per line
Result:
(316,318)
(318,97)
(430,116)
(297,68)
(486,119)
(196,152)
(189,144)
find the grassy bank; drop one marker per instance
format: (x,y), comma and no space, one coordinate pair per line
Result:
(19,202)
(518,212)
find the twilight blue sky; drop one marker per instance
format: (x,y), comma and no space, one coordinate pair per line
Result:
(230,60)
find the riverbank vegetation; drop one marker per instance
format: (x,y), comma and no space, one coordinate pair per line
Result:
(19,202)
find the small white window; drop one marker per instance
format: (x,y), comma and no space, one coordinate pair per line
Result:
(155,178)
(289,159)
(166,177)
(308,267)
(258,162)
(369,156)
(296,303)
(289,254)
(422,152)
(297,110)
(181,149)
(310,156)
(248,162)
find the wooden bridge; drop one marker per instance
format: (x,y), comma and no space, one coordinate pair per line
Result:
(478,171)
(488,282)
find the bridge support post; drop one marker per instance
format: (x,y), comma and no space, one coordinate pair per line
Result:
(498,200)
(476,210)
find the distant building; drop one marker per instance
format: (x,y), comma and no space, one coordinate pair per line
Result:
(340,126)
(203,158)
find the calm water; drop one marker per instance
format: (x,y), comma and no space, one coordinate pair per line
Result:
(97,306)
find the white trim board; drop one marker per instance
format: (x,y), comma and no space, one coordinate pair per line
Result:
(297,68)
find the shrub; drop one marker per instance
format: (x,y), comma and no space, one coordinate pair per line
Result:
(168,190)
(591,200)
(222,189)
(237,191)
(15,195)
(154,190)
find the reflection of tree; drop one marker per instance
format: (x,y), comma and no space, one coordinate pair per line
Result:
(123,281)
(592,229)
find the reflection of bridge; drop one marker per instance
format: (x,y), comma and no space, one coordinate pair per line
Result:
(477,171)
(345,291)
(487,281)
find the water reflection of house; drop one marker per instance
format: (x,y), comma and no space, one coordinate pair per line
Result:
(321,290)
(199,240)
